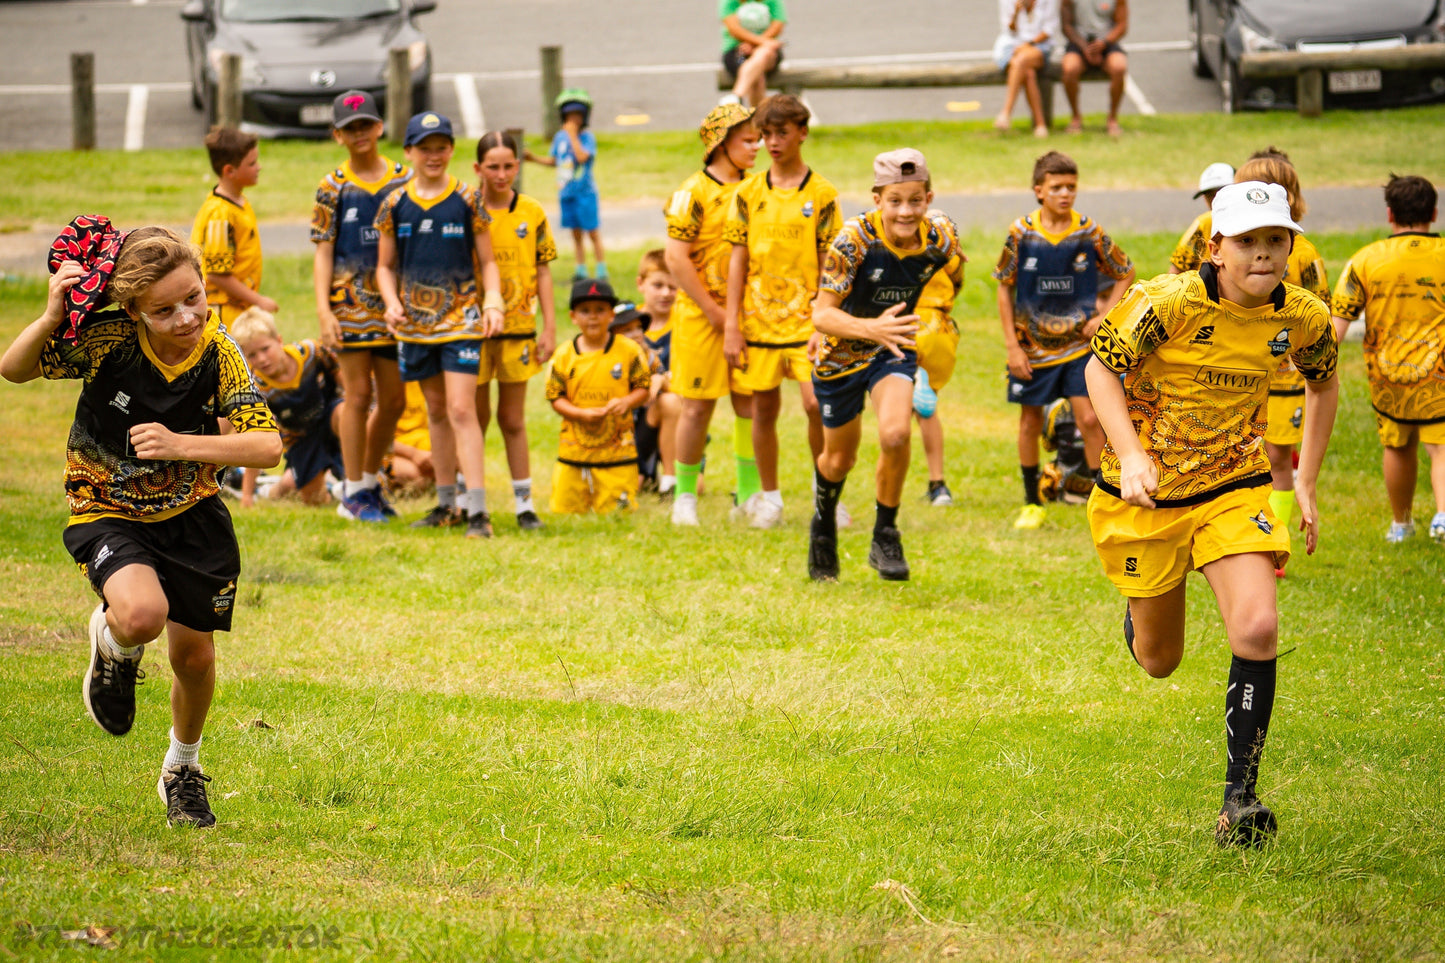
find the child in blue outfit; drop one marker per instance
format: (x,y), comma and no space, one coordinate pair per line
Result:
(573,151)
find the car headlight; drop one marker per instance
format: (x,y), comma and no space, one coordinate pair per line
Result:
(250,70)
(1255,42)
(416,54)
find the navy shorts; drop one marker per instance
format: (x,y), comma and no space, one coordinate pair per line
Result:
(194,554)
(316,452)
(1109,48)
(580,211)
(386,352)
(422,361)
(1049,384)
(842,399)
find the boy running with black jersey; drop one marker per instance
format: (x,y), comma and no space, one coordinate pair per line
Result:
(875,271)
(1184,481)
(781,224)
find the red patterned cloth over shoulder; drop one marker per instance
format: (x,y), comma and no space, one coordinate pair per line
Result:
(90,241)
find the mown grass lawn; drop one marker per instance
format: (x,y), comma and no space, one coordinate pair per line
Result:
(616,741)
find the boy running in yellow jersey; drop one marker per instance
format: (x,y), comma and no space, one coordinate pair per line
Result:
(697,256)
(225,228)
(1184,480)
(1399,285)
(781,224)
(875,271)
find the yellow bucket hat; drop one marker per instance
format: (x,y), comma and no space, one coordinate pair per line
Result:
(718,122)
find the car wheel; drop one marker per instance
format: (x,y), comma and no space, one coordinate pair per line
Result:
(1229,88)
(1197,61)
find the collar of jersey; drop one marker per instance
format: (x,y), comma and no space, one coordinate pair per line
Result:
(875,222)
(1075,220)
(768,179)
(371,187)
(293,383)
(216,192)
(174,371)
(427,203)
(1210,277)
(577,344)
(512,207)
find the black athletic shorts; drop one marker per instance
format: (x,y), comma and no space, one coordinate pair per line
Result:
(840,400)
(1109,48)
(734,58)
(194,554)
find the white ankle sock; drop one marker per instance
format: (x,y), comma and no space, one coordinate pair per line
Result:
(369,480)
(522,495)
(666,483)
(182,754)
(117,651)
(775,497)
(352,487)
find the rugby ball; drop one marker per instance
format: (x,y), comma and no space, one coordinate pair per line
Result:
(754,16)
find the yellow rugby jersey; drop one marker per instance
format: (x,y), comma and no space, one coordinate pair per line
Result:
(412,428)
(126,384)
(343,214)
(590,379)
(696,214)
(1399,284)
(230,243)
(521,240)
(1197,373)
(787,232)
(1192,248)
(1306,269)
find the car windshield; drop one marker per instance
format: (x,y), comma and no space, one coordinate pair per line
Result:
(271,11)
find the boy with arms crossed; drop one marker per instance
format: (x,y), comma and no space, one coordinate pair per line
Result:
(875,271)
(127,315)
(781,224)
(1184,482)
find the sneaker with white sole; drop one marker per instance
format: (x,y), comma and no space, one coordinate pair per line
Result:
(183,790)
(684,509)
(1399,531)
(743,511)
(765,514)
(938,494)
(1437,527)
(110,681)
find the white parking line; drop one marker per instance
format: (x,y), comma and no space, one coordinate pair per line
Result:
(473,122)
(1136,96)
(135,115)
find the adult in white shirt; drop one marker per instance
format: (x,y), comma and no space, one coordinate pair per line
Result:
(1027,29)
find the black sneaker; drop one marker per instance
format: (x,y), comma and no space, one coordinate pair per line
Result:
(109,685)
(822,551)
(183,790)
(528,521)
(1244,821)
(440,517)
(886,555)
(1129,634)
(479,525)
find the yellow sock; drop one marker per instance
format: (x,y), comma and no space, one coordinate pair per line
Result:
(1282,504)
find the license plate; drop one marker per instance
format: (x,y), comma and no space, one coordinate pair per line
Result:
(1352,81)
(321,113)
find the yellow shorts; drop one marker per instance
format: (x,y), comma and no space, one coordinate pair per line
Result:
(937,346)
(1286,414)
(1147,551)
(767,367)
(1396,434)
(508,360)
(577,490)
(699,369)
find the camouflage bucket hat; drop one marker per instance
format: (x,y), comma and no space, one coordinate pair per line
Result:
(718,122)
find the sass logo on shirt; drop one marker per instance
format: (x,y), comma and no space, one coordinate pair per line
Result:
(222,600)
(121,401)
(454,230)
(1279,344)
(522,230)
(617,371)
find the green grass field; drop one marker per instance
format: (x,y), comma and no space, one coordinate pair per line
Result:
(616,741)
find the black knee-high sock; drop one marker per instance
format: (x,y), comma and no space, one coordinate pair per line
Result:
(825,499)
(1031,484)
(1247,705)
(886,517)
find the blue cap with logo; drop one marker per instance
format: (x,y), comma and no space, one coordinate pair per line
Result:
(425,124)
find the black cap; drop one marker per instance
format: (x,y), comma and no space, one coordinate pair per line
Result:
(591,289)
(626,313)
(354,105)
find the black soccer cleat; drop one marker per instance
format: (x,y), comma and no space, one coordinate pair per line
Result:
(1244,821)
(822,551)
(109,685)
(479,525)
(183,790)
(440,517)
(886,555)
(528,521)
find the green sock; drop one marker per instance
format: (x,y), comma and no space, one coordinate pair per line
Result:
(1282,504)
(687,479)
(748,481)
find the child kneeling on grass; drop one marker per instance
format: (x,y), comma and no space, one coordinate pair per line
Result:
(299,383)
(127,315)
(1184,480)
(596,380)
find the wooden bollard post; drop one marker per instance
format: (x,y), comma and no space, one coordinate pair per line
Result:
(515,136)
(1311,93)
(398,93)
(551,87)
(82,101)
(228,91)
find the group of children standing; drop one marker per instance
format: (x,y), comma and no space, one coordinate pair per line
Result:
(1175,383)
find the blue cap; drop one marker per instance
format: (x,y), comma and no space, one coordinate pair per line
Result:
(425,124)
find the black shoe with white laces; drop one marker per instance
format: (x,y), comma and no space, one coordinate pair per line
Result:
(822,551)
(528,521)
(109,685)
(1244,821)
(183,790)
(886,554)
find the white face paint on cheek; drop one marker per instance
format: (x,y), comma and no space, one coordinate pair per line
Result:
(182,315)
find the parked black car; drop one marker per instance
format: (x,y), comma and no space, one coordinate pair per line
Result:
(1223,31)
(297,55)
